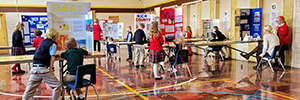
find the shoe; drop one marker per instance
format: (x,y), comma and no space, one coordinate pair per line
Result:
(174,70)
(245,56)
(14,68)
(158,78)
(170,69)
(137,66)
(190,54)
(128,59)
(255,67)
(80,99)
(142,66)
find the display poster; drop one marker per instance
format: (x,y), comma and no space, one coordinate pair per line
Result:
(32,23)
(102,23)
(146,19)
(68,8)
(225,23)
(272,18)
(89,32)
(171,23)
(61,43)
(90,42)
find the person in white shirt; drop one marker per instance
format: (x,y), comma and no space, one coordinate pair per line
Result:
(270,41)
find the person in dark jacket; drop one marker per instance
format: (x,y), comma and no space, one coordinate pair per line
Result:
(216,36)
(129,39)
(140,39)
(18,46)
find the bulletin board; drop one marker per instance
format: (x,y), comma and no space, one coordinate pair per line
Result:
(171,23)
(146,19)
(75,20)
(32,23)
(114,30)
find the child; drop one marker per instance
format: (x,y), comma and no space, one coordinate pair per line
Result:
(140,39)
(216,36)
(189,36)
(129,39)
(111,47)
(18,46)
(74,57)
(156,54)
(38,39)
(43,60)
(179,43)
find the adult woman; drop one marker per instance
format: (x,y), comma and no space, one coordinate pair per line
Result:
(284,37)
(188,34)
(18,46)
(156,54)
(270,41)
(97,30)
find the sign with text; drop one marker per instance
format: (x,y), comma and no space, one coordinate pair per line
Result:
(64,8)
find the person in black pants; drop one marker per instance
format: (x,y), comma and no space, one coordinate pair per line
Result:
(129,39)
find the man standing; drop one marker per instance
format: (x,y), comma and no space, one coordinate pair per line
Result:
(140,39)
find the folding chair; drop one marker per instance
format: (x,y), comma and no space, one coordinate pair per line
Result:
(216,51)
(182,57)
(275,55)
(81,82)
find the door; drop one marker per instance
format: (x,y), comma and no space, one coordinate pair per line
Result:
(3,33)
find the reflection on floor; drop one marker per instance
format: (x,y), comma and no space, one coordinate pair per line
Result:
(233,80)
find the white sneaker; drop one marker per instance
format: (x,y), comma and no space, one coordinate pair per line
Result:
(174,70)
(170,69)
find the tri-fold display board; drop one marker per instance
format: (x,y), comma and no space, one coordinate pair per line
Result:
(171,22)
(71,19)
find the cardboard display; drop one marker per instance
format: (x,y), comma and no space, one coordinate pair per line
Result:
(171,23)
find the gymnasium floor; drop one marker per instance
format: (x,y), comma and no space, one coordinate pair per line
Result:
(230,80)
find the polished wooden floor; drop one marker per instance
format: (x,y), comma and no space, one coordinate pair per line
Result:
(230,80)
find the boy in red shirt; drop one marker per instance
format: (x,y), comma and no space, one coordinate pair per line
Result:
(38,39)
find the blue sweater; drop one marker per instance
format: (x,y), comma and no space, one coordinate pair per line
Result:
(139,37)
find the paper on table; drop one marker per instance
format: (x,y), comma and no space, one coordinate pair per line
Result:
(169,28)
(27,39)
(26,28)
(178,19)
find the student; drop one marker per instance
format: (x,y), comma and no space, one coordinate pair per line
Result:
(97,30)
(74,57)
(38,39)
(43,60)
(188,34)
(156,54)
(18,46)
(216,36)
(140,39)
(111,40)
(129,39)
(284,37)
(176,45)
(270,41)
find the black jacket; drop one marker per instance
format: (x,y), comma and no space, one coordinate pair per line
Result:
(221,37)
(139,37)
(17,39)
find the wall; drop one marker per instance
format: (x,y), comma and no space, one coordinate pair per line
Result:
(296,35)
(267,9)
(205,10)
(191,12)
(224,6)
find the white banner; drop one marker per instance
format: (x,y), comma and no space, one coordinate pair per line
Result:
(68,8)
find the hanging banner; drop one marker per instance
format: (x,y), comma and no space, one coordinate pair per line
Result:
(146,19)
(171,23)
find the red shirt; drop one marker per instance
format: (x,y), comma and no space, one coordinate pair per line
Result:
(156,42)
(36,42)
(188,35)
(283,34)
(97,30)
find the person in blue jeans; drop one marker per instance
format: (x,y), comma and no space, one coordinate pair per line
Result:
(129,39)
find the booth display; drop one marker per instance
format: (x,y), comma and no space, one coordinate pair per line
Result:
(171,23)
(32,23)
(146,19)
(208,27)
(72,19)
(248,22)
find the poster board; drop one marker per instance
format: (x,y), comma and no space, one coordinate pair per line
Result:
(146,19)
(71,19)
(32,23)
(114,30)
(171,23)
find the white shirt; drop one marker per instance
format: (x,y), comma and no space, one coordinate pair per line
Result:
(270,41)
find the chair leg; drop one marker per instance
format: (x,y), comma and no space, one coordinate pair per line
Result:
(258,67)
(189,71)
(72,95)
(282,68)
(270,66)
(221,56)
(86,91)
(96,91)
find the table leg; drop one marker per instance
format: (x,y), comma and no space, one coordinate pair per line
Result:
(61,68)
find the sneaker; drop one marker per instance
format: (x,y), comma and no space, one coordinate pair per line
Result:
(174,70)
(170,69)
(128,59)
(137,66)
(143,66)
(81,99)
(158,78)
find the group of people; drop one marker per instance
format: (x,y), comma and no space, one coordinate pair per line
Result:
(44,56)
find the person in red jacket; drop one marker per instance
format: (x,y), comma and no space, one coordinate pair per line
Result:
(97,30)
(38,39)
(156,54)
(284,37)
(188,34)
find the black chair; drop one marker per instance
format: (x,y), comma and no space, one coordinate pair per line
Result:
(274,56)
(80,82)
(182,57)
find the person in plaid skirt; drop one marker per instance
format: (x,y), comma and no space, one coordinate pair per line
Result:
(156,54)
(18,46)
